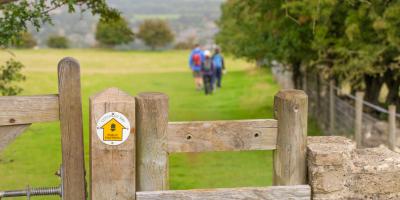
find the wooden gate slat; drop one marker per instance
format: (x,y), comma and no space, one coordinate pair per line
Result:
(28,109)
(297,192)
(233,135)
(73,163)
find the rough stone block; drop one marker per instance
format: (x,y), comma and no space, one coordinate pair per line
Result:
(328,180)
(337,170)
(329,150)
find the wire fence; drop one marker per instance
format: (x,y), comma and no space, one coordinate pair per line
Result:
(335,111)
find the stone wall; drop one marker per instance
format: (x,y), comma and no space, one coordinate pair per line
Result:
(337,170)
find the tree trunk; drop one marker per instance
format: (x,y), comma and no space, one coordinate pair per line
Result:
(297,75)
(373,85)
(259,62)
(393,85)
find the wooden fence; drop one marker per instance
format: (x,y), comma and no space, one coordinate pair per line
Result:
(138,167)
(340,113)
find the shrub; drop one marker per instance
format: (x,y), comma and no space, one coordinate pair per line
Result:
(189,43)
(24,40)
(155,33)
(110,33)
(58,42)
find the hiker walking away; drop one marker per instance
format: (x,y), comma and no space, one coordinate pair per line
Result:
(195,61)
(207,69)
(219,65)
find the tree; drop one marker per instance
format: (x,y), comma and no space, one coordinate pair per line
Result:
(259,30)
(155,33)
(189,43)
(356,42)
(113,32)
(15,17)
(24,40)
(17,14)
(57,42)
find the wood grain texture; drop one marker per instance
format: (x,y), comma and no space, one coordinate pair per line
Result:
(69,86)
(112,167)
(152,125)
(298,192)
(235,135)
(291,107)
(28,109)
(358,118)
(9,133)
(392,127)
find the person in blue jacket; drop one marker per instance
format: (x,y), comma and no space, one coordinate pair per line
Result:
(196,59)
(219,66)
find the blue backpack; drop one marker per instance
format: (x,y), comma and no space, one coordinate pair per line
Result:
(217,61)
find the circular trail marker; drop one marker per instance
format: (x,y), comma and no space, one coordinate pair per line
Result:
(113,128)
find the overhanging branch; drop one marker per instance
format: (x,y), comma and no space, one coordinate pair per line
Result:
(7,1)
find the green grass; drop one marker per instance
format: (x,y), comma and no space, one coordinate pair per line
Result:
(247,93)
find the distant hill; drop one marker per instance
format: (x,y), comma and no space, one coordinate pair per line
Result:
(188,18)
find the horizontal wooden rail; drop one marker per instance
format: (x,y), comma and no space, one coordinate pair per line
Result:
(235,135)
(28,109)
(298,192)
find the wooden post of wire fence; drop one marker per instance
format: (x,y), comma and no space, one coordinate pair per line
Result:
(358,118)
(152,155)
(73,164)
(112,167)
(291,107)
(392,127)
(332,116)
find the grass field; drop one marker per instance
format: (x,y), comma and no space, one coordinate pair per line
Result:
(247,93)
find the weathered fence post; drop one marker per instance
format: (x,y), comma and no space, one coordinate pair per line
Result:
(73,164)
(332,116)
(392,127)
(152,155)
(358,119)
(291,107)
(112,167)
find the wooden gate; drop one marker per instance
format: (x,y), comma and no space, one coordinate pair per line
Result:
(138,168)
(17,113)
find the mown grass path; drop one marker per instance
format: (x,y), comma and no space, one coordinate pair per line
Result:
(247,93)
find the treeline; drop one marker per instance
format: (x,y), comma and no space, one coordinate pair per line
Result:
(155,33)
(354,42)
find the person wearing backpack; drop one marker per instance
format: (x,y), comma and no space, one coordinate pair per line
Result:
(219,65)
(196,59)
(207,70)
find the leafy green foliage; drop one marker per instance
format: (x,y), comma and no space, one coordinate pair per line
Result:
(17,14)
(259,30)
(356,42)
(113,32)
(58,42)
(10,73)
(155,33)
(24,40)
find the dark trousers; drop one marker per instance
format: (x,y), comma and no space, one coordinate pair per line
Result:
(218,76)
(208,85)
